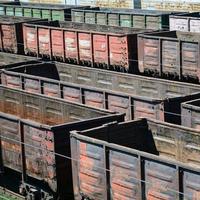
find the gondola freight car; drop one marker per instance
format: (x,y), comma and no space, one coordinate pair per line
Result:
(34,78)
(144,159)
(38,128)
(137,18)
(188,23)
(173,54)
(36,10)
(86,44)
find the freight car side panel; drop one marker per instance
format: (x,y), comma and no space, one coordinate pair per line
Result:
(170,58)
(32,109)
(120,104)
(125,20)
(155,22)
(40,162)
(8,41)
(191,147)
(124,176)
(178,24)
(44,41)
(101,18)
(148,55)
(57,43)
(147,109)
(90,18)
(10,149)
(71,45)
(191,185)
(94,98)
(10,102)
(32,85)
(12,81)
(161,181)
(190,114)
(100,46)
(30,40)
(51,89)
(91,170)
(72,94)
(190,59)
(54,113)
(195,25)
(85,46)
(118,48)
(113,19)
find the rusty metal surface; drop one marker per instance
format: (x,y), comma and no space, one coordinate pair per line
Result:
(161,174)
(11,151)
(134,106)
(86,44)
(36,159)
(44,109)
(11,37)
(169,54)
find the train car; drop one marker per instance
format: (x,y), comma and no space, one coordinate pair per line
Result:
(33,129)
(42,11)
(144,159)
(137,18)
(11,38)
(188,23)
(173,54)
(35,79)
(87,44)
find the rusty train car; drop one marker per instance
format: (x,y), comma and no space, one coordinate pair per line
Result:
(33,129)
(11,37)
(144,159)
(33,78)
(86,44)
(41,11)
(173,54)
(137,18)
